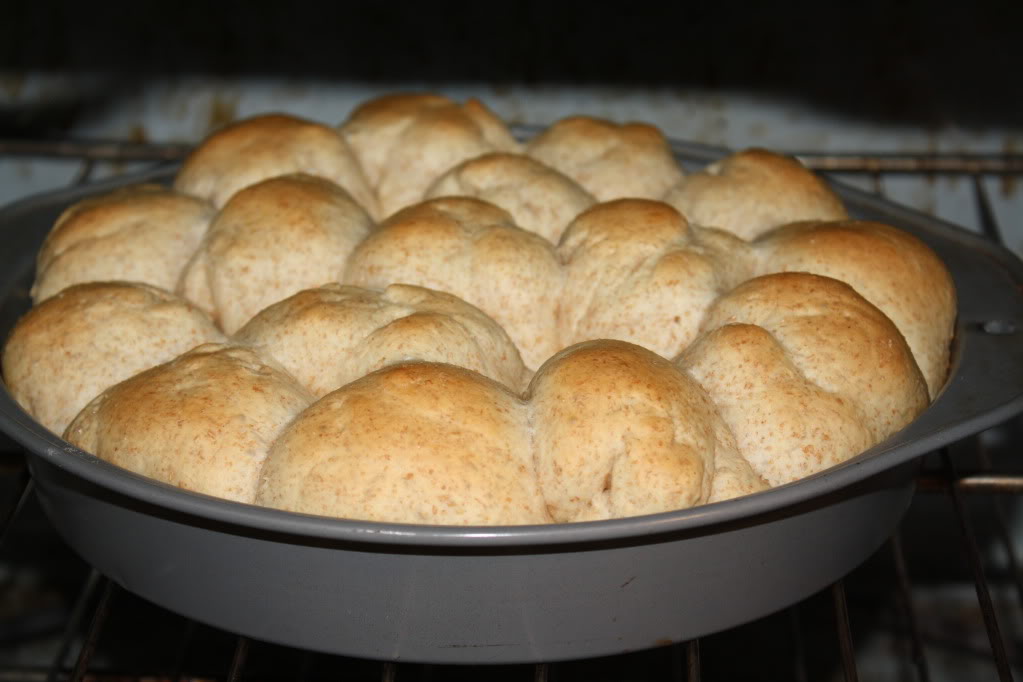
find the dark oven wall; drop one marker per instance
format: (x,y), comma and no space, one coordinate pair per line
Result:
(796,76)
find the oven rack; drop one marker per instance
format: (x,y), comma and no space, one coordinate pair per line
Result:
(968,495)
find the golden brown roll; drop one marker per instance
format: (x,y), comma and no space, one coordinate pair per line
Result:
(406,141)
(266,146)
(620,431)
(890,268)
(67,350)
(805,372)
(752,191)
(143,233)
(271,240)
(332,335)
(474,250)
(609,160)
(638,272)
(202,422)
(793,329)
(411,443)
(539,198)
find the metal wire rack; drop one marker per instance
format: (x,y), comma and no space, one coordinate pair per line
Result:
(62,620)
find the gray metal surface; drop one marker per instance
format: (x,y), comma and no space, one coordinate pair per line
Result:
(476,595)
(482,604)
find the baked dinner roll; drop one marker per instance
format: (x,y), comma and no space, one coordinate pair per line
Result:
(694,338)
(539,198)
(752,191)
(67,350)
(890,268)
(619,431)
(474,250)
(406,141)
(271,240)
(143,233)
(638,272)
(411,443)
(332,335)
(262,147)
(609,160)
(203,421)
(805,372)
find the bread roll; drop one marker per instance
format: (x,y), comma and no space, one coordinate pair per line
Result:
(619,431)
(202,422)
(143,233)
(67,350)
(406,141)
(733,476)
(332,335)
(271,240)
(419,335)
(539,198)
(609,160)
(638,272)
(475,251)
(266,146)
(411,443)
(752,191)
(806,373)
(890,268)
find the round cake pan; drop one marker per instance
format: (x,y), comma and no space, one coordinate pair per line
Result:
(442,594)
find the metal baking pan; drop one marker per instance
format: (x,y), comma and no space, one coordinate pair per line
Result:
(514,594)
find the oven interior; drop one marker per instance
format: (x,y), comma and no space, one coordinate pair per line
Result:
(924,113)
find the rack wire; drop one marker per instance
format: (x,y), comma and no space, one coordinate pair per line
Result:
(100,632)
